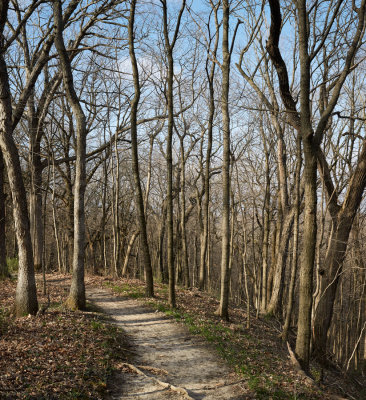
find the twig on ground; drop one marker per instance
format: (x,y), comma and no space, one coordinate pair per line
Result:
(166,385)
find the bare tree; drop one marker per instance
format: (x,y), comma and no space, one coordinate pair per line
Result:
(169,47)
(135,160)
(76,299)
(26,294)
(311,138)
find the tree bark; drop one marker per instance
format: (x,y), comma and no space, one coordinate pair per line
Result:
(128,252)
(169,47)
(206,200)
(146,259)
(26,294)
(4,272)
(342,219)
(76,299)
(26,301)
(281,259)
(295,245)
(225,244)
(36,197)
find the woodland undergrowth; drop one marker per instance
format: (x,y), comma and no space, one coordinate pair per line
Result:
(59,355)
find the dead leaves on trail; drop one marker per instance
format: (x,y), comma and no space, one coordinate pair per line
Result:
(62,354)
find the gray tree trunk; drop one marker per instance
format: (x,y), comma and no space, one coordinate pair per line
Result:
(342,220)
(26,294)
(169,46)
(36,198)
(206,200)
(225,244)
(4,272)
(146,259)
(76,299)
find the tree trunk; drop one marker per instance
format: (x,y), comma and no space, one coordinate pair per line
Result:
(308,257)
(4,272)
(265,241)
(330,273)
(36,197)
(76,299)
(295,245)
(169,46)
(26,294)
(281,259)
(146,259)
(225,244)
(206,200)
(128,252)
(162,270)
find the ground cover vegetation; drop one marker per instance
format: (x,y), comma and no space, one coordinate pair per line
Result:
(214,144)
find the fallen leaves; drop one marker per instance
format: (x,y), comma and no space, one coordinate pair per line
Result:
(258,353)
(58,355)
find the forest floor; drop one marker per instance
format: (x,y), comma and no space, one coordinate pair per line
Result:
(159,354)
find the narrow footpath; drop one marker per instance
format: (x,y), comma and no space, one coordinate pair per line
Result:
(170,362)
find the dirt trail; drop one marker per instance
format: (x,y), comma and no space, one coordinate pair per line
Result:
(169,354)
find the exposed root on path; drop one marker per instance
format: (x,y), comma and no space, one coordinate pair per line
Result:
(153,370)
(165,385)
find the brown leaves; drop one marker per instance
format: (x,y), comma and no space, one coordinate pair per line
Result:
(61,354)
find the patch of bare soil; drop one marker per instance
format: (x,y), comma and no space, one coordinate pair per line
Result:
(169,363)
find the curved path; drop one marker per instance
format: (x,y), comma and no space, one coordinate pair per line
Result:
(166,353)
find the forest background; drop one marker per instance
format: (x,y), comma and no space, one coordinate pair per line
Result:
(216,144)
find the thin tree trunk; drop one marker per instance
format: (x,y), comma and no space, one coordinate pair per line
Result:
(265,242)
(4,272)
(184,255)
(55,228)
(128,252)
(308,257)
(281,259)
(76,299)
(116,228)
(163,272)
(225,244)
(206,200)
(295,245)
(36,193)
(169,46)
(146,259)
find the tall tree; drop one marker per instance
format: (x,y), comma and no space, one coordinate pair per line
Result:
(225,229)
(311,137)
(212,44)
(26,294)
(76,299)
(135,158)
(169,47)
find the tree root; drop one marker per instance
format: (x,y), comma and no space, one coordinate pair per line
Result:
(304,375)
(298,368)
(153,370)
(165,385)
